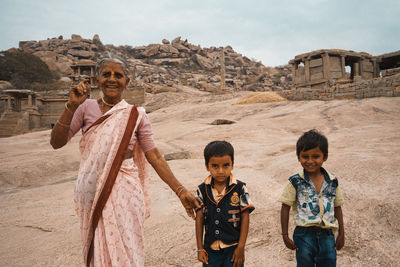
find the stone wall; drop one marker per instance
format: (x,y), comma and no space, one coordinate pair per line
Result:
(385,86)
(50,110)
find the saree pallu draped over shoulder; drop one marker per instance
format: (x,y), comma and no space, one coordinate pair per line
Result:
(111,194)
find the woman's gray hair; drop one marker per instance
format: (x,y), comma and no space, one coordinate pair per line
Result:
(110,58)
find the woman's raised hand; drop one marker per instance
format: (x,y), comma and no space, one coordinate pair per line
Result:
(79,92)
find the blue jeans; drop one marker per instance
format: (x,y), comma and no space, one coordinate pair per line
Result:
(220,258)
(314,248)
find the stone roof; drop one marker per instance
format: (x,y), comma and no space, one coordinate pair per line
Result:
(19,91)
(339,52)
(84,63)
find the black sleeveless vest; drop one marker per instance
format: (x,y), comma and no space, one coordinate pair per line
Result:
(222,219)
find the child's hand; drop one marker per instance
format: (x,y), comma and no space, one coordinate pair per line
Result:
(202,256)
(238,256)
(189,202)
(289,242)
(339,241)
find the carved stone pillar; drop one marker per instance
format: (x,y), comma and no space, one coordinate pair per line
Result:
(374,66)
(361,67)
(17,103)
(307,75)
(222,70)
(343,66)
(356,69)
(9,102)
(326,65)
(29,100)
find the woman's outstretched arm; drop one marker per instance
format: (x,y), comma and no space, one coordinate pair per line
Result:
(161,167)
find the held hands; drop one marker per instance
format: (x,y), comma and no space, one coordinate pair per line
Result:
(238,256)
(289,242)
(79,93)
(189,202)
(202,256)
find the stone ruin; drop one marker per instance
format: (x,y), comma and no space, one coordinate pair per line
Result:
(317,68)
(333,74)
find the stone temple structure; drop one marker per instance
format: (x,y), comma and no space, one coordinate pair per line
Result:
(343,74)
(316,68)
(324,67)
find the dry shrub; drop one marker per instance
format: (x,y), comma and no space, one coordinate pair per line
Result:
(260,97)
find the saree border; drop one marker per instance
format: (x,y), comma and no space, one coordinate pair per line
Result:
(112,176)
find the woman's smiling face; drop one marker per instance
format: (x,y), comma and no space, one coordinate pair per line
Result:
(112,80)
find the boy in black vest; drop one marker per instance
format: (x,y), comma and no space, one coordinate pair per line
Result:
(224,213)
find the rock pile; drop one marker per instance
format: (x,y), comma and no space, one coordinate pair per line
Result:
(160,67)
(59,54)
(180,62)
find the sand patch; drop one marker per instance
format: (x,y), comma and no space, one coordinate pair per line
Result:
(260,97)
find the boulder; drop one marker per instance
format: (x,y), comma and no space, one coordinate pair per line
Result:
(27,44)
(204,62)
(5,85)
(205,86)
(194,48)
(44,44)
(176,40)
(222,121)
(55,61)
(80,53)
(169,49)
(168,61)
(96,38)
(76,37)
(165,41)
(181,47)
(177,155)
(151,51)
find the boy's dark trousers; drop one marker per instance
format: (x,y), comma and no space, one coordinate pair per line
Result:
(316,247)
(220,258)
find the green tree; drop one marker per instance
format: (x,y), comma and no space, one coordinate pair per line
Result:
(23,69)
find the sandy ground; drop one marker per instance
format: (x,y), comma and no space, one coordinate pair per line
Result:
(38,226)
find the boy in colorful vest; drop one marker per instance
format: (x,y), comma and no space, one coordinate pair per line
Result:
(316,199)
(224,213)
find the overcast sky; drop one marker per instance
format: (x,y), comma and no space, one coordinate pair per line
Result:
(270,31)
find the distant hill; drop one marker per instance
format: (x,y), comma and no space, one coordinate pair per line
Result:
(168,64)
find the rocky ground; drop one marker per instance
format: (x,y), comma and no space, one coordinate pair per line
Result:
(38,226)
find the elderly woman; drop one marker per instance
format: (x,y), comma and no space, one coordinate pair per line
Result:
(111,195)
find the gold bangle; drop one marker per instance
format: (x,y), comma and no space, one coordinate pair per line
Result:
(179,187)
(66,107)
(285,234)
(178,193)
(62,124)
(202,250)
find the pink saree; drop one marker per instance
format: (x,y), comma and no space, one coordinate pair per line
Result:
(111,194)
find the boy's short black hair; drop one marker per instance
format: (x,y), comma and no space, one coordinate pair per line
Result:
(310,140)
(218,149)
